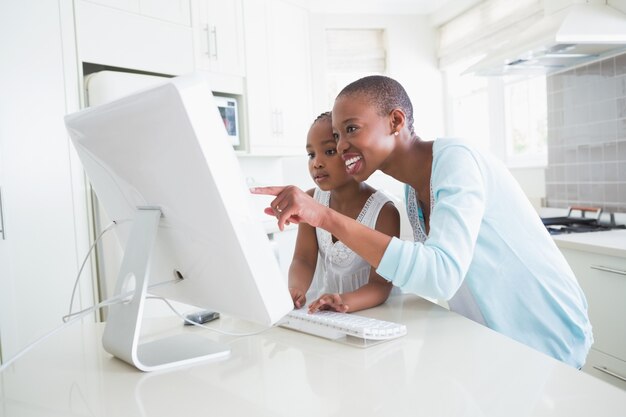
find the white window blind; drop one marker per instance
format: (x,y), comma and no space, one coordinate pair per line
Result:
(356,50)
(352,54)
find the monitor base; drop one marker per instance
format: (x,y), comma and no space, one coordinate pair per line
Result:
(121,334)
(178,350)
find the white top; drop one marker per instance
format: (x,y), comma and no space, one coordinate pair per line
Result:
(463,301)
(339,269)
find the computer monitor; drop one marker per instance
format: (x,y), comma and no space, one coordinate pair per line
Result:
(163,168)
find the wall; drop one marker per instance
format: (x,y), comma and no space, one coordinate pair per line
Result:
(587,136)
(532,182)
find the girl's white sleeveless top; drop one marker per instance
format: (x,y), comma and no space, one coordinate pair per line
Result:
(339,269)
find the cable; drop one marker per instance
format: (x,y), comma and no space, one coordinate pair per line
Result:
(78,316)
(119,298)
(207,327)
(106,303)
(82,266)
(71,318)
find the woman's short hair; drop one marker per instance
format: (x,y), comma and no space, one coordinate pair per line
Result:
(385,93)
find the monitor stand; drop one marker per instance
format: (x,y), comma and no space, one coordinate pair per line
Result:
(121,334)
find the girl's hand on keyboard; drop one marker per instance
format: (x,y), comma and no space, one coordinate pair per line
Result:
(331,302)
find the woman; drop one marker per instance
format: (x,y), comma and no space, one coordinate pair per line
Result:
(478,241)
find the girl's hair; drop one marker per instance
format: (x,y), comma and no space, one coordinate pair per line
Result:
(323,116)
(385,93)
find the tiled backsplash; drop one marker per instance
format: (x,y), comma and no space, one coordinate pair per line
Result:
(587,136)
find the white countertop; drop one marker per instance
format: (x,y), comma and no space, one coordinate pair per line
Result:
(611,242)
(445,366)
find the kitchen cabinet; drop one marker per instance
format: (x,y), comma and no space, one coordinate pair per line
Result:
(603,280)
(41,181)
(175,11)
(139,41)
(278,76)
(218,36)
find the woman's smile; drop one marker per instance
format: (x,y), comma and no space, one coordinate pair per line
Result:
(353,163)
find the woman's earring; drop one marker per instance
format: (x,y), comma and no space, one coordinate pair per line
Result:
(396,133)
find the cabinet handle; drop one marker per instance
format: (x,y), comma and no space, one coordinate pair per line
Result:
(2,232)
(608,269)
(214,32)
(211,41)
(275,122)
(280,122)
(208,40)
(609,372)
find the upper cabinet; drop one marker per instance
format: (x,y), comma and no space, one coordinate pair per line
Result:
(256,51)
(218,36)
(175,11)
(278,76)
(146,35)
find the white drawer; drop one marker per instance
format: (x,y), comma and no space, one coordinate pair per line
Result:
(607,368)
(603,280)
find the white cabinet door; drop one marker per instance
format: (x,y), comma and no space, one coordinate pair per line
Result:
(278,76)
(175,11)
(218,32)
(606,367)
(127,5)
(39,256)
(603,280)
(116,38)
(291,74)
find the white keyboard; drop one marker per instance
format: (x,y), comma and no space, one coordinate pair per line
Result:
(333,325)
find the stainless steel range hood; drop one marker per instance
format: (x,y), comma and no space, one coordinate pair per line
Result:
(569,36)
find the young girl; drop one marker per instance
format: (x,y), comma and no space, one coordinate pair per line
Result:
(348,281)
(478,241)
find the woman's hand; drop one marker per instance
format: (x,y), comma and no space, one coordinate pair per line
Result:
(292,205)
(331,302)
(298,296)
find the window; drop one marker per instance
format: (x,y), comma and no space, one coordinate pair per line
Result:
(468,115)
(507,116)
(526,121)
(511,112)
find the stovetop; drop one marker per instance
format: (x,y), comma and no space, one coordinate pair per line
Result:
(581,228)
(581,223)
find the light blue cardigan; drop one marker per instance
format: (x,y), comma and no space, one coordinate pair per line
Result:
(486,240)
